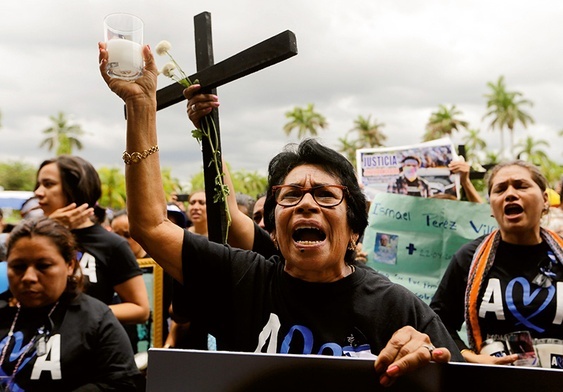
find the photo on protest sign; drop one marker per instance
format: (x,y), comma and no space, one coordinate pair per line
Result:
(416,170)
(411,240)
(385,248)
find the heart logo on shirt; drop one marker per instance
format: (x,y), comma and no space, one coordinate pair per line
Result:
(527,299)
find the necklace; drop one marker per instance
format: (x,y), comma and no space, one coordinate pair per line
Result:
(38,337)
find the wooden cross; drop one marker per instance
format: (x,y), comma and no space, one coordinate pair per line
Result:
(210,76)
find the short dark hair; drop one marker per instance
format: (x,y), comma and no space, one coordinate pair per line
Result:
(414,157)
(61,237)
(535,172)
(311,152)
(80,180)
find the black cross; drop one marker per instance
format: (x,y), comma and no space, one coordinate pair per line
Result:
(210,76)
(411,248)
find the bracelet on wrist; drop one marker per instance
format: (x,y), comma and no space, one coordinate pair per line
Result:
(136,157)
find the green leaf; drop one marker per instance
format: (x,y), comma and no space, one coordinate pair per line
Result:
(185,82)
(197,134)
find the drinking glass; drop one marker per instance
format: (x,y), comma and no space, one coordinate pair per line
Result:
(124,38)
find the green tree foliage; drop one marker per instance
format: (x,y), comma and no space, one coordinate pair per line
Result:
(171,184)
(113,187)
(364,134)
(553,172)
(17,176)
(473,144)
(491,158)
(443,122)
(348,148)
(197,182)
(305,120)
(250,183)
(505,110)
(369,133)
(529,149)
(62,137)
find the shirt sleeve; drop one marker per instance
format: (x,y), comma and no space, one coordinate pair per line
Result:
(124,264)
(449,300)
(113,354)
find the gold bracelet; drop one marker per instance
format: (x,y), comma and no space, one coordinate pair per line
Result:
(136,157)
(468,350)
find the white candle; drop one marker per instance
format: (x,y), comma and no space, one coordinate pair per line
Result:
(125,58)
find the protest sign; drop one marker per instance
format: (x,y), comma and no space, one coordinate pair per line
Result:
(418,169)
(411,239)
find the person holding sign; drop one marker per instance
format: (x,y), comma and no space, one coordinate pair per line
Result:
(461,167)
(311,300)
(506,284)
(58,338)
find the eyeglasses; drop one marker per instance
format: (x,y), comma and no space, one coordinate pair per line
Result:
(324,195)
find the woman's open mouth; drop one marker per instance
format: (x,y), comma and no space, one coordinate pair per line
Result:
(513,212)
(308,236)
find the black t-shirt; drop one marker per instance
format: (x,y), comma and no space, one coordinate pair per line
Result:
(508,300)
(263,243)
(86,346)
(106,260)
(251,304)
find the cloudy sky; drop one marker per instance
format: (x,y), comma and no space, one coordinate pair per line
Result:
(395,60)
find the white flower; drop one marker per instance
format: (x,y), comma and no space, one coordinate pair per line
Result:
(168,69)
(163,47)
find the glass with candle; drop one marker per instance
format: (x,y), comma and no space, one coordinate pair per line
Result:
(124,39)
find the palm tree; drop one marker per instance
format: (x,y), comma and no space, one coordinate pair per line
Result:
(63,137)
(505,109)
(305,121)
(491,158)
(473,143)
(348,148)
(369,134)
(443,122)
(529,150)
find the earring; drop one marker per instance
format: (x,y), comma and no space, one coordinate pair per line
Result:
(351,245)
